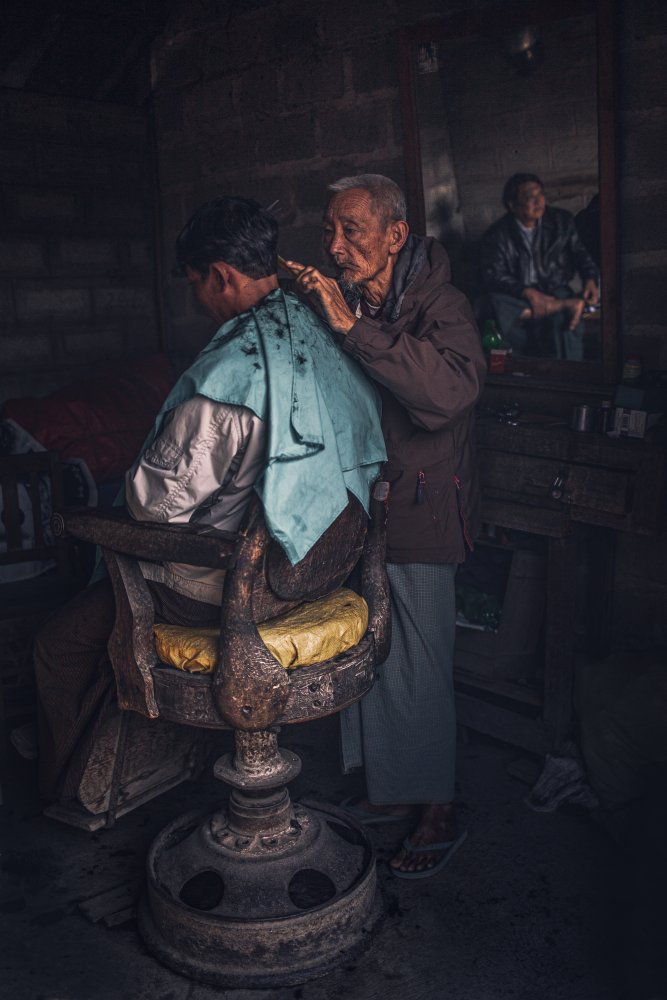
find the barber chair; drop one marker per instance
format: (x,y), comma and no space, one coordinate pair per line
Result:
(263,892)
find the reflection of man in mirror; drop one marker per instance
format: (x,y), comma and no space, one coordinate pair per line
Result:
(529,258)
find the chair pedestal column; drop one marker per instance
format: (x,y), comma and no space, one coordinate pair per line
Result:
(264,892)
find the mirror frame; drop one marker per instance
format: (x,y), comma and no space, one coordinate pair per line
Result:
(498,22)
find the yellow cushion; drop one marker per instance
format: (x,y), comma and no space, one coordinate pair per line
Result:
(312,633)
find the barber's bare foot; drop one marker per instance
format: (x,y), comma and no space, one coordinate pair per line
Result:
(574,308)
(437,825)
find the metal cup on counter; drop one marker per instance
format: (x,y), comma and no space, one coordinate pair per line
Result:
(583,418)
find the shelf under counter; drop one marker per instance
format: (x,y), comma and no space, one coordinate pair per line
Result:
(617,483)
(577,491)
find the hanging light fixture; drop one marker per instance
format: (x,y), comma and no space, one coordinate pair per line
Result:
(524,49)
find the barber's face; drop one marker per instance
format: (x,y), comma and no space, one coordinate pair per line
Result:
(530,203)
(355,238)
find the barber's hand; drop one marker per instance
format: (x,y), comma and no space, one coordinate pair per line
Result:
(591,292)
(538,302)
(325,296)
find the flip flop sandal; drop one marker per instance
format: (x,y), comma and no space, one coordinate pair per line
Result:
(448,846)
(369,818)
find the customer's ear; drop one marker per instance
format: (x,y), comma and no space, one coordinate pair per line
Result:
(398,234)
(220,273)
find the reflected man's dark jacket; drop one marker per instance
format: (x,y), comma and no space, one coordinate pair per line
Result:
(560,255)
(424,352)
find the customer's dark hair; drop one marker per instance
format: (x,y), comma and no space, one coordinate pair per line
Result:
(511,189)
(237,231)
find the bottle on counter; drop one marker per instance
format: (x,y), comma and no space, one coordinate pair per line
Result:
(605,416)
(491,338)
(494,347)
(632,370)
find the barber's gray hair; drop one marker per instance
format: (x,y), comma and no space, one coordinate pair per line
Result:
(388,199)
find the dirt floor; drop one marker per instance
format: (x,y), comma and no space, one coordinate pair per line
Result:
(528,909)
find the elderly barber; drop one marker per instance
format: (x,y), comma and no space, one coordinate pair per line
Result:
(415,336)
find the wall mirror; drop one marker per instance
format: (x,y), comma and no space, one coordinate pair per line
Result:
(527,88)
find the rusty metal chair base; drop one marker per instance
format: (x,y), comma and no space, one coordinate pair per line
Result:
(271,907)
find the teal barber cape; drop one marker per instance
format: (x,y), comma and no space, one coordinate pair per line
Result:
(322,414)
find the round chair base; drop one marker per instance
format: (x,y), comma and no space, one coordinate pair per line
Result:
(252,912)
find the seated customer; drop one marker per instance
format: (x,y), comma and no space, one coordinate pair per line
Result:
(529,258)
(271,404)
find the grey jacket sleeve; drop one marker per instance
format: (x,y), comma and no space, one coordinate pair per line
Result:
(196,456)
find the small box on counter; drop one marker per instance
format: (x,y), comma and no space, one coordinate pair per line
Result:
(632,423)
(498,359)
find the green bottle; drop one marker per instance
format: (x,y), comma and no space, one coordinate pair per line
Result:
(491,338)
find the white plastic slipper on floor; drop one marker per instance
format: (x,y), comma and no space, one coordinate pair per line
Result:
(563,779)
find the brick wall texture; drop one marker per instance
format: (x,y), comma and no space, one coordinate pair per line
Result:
(76,243)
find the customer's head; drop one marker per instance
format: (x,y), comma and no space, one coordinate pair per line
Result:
(227,251)
(364,227)
(236,231)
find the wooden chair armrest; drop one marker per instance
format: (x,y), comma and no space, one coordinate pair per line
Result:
(250,688)
(131,647)
(116,530)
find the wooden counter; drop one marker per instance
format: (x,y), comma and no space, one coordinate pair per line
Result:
(575,490)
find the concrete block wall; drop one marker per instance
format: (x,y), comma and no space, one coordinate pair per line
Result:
(76,243)
(274,101)
(643,179)
(641,579)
